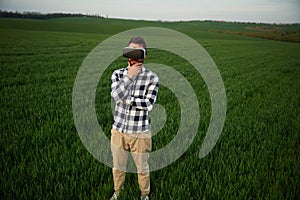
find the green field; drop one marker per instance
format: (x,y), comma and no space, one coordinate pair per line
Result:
(42,156)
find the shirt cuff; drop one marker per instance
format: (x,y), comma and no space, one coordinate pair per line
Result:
(127,80)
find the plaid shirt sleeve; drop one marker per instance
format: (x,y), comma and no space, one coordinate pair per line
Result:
(147,102)
(120,86)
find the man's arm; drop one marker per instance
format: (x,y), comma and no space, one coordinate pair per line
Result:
(120,87)
(147,103)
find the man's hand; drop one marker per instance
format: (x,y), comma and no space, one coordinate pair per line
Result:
(134,70)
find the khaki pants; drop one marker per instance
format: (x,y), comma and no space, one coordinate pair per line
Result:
(139,145)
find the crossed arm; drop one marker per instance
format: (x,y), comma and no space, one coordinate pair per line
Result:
(121,92)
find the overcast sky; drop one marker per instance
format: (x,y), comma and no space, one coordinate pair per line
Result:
(271,11)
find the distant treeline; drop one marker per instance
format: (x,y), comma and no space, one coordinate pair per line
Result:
(280,34)
(38,15)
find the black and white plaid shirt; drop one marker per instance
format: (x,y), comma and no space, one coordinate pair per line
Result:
(134,100)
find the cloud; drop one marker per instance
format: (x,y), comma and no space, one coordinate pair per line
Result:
(232,10)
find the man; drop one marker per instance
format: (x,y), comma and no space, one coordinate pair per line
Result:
(134,90)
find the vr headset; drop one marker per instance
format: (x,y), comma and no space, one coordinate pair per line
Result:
(134,53)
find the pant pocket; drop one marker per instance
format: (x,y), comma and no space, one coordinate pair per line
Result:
(148,143)
(113,131)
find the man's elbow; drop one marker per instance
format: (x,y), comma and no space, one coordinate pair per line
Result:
(150,105)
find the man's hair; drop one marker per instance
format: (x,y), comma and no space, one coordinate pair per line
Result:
(138,40)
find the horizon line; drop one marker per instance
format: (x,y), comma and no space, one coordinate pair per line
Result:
(106,16)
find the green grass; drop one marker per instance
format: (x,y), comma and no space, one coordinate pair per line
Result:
(42,157)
